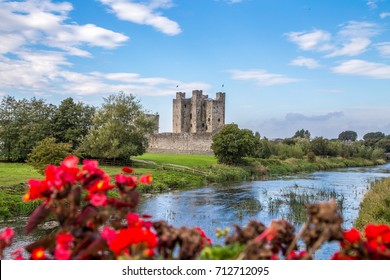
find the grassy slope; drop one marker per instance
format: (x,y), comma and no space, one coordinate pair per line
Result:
(375,208)
(16,173)
(199,161)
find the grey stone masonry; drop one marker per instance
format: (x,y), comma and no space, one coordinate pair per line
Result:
(198,114)
(195,121)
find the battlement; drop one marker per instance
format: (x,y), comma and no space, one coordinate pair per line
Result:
(198,114)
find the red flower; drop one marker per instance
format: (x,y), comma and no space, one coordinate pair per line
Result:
(62,253)
(17,254)
(101,185)
(130,236)
(375,231)
(108,234)
(352,236)
(7,236)
(130,181)
(269,234)
(53,177)
(37,189)
(62,250)
(64,239)
(386,237)
(203,236)
(70,162)
(133,220)
(127,169)
(38,254)
(90,167)
(296,256)
(98,199)
(146,179)
(120,178)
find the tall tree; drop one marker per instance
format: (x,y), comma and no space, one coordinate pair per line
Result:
(23,124)
(348,135)
(72,121)
(305,134)
(231,144)
(120,129)
(371,138)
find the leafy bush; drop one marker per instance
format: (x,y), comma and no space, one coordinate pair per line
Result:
(48,152)
(311,157)
(231,144)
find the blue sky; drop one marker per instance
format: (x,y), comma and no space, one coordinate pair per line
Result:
(285,65)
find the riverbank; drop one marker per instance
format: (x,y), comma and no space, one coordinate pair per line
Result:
(375,208)
(171,172)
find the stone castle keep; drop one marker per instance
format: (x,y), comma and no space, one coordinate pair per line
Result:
(195,120)
(198,114)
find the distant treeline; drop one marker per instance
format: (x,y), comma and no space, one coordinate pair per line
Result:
(231,144)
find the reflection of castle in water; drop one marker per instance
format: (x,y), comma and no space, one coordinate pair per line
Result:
(195,120)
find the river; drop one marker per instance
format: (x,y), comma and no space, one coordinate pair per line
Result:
(222,206)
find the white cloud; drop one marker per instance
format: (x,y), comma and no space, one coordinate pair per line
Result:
(372,4)
(305,62)
(33,22)
(353,47)
(363,68)
(29,28)
(384,49)
(44,72)
(352,39)
(318,40)
(384,14)
(142,13)
(261,77)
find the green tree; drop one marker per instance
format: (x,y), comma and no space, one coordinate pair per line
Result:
(371,138)
(384,144)
(71,122)
(120,129)
(23,123)
(320,146)
(231,144)
(348,135)
(48,152)
(302,134)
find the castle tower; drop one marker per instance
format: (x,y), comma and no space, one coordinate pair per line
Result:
(177,112)
(198,114)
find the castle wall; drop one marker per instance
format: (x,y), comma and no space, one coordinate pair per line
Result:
(195,120)
(181,143)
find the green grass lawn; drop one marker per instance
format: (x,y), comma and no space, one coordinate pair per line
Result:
(196,161)
(16,173)
(375,207)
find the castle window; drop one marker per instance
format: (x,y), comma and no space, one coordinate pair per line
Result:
(185,106)
(202,124)
(206,127)
(208,119)
(190,116)
(219,120)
